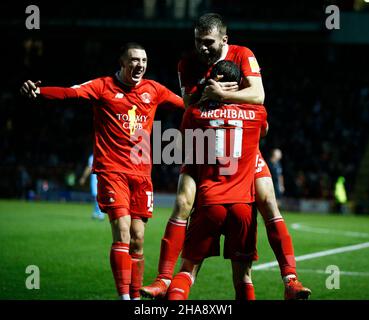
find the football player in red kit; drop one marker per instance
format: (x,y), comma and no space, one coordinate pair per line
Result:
(211,42)
(124,107)
(225,188)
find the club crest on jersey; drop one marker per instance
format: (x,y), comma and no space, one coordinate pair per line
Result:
(146,97)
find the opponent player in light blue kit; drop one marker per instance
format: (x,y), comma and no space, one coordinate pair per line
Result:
(97,214)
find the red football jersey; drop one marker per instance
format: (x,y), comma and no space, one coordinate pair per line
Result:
(233,143)
(192,72)
(123,120)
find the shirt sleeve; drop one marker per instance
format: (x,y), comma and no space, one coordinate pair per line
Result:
(90,160)
(57,93)
(169,98)
(249,64)
(88,90)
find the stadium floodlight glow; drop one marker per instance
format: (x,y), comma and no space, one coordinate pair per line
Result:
(366,1)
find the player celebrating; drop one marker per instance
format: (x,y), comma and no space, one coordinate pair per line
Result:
(124,107)
(211,43)
(225,190)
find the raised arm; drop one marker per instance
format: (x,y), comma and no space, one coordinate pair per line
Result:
(87,90)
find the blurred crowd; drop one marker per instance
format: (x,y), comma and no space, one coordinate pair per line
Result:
(318,104)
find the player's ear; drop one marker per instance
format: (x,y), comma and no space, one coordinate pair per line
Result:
(225,39)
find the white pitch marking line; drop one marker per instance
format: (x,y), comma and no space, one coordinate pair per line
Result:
(316,255)
(301,227)
(346,273)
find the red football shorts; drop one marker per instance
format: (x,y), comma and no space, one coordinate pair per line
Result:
(189,169)
(262,169)
(236,221)
(125,191)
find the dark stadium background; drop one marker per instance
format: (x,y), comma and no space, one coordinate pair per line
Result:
(316,82)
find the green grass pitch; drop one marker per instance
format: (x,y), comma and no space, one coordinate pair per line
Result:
(72,253)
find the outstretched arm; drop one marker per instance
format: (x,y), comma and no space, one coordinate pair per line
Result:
(88,90)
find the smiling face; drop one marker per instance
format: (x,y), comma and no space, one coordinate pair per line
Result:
(133,66)
(209,45)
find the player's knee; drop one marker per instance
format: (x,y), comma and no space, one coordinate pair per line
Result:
(122,237)
(139,235)
(137,246)
(137,240)
(121,231)
(183,207)
(267,205)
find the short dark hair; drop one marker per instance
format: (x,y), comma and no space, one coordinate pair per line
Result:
(209,21)
(228,69)
(130,45)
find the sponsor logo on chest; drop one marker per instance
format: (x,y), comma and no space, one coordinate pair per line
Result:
(131,120)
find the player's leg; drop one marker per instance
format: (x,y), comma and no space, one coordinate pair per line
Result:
(96,214)
(137,255)
(172,241)
(240,246)
(180,286)
(279,238)
(242,282)
(114,199)
(202,241)
(120,259)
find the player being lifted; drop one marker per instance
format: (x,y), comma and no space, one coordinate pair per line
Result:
(211,44)
(225,187)
(124,107)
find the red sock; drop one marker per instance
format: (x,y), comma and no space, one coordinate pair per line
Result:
(245,291)
(171,246)
(121,265)
(281,243)
(138,264)
(179,288)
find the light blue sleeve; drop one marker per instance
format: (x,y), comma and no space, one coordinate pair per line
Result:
(90,160)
